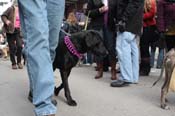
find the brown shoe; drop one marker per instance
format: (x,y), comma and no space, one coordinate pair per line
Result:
(14,66)
(20,66)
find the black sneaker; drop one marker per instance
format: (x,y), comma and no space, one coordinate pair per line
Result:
(120,83)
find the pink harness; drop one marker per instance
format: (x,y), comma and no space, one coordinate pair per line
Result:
(72,48)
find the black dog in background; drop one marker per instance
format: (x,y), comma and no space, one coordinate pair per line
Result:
(83,41)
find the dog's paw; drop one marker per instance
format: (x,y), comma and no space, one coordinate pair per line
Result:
(165,107)
(72,103)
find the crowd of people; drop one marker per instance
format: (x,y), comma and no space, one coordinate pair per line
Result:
(131,32)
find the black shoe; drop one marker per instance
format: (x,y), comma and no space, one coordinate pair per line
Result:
(120,83)
(158,67)
(30,98)
(105,69)
(142,73)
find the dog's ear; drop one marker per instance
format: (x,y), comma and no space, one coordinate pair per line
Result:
(92,38)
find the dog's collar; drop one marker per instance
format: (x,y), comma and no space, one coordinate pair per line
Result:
(72,48)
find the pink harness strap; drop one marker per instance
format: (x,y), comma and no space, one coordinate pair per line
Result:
(72,48)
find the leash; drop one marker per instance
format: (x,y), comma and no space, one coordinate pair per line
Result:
(66,33)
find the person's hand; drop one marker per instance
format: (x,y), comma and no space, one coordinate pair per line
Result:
(121,26)
(103,9)
(8,22)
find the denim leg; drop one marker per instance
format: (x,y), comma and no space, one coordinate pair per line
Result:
(24,40)
(55,10)
(39,64)
(160,57)
(124,55)
(135,60)
(89,58)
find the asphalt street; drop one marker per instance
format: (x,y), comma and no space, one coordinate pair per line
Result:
(94,97)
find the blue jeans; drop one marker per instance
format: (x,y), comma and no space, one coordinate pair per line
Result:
(41,22)
(128,55)
(160,56)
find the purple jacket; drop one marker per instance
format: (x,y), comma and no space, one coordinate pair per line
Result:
(165,15)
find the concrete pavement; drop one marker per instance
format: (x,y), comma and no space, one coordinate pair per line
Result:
(94,97)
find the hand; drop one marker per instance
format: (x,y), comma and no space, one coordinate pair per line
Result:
(121,26)
(8,22)
(103,9)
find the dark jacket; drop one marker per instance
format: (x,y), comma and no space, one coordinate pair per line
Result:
(165,15)
(97,18)
(132,12)
(8,15)
(94,14)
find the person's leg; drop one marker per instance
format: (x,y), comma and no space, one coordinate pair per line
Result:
(99,61)
(37,51)
(12,49)
(135,60)
(55,10)
(152,56)
(89,58)
(110,43)
(160,58)
(19,49)
(124,55)
(145,54)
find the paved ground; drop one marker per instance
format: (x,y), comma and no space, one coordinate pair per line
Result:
(94,97)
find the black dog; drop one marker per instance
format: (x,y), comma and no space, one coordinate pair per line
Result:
(83,41)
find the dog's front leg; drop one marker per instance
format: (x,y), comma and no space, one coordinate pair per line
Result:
(58,89)
(64,76)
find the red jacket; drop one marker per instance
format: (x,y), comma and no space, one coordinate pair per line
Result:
(149,17)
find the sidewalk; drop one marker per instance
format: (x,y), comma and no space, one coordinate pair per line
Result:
(94,97)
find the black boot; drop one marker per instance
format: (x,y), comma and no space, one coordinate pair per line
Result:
(145,67)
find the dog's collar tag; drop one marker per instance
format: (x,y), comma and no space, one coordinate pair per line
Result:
(72,48)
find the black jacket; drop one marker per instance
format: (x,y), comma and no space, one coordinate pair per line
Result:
(97,18)
(132,12)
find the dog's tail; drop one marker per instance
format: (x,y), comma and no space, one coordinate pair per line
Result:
(160,76)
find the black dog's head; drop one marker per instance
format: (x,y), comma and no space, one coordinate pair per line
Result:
(94,43)
(89,40)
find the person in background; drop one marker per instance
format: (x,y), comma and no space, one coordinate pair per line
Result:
(160,44)
(148,36)
(166,21)
(72,23)
(3,46)
(102,19)
(41,22)
(11,27)
(129,17)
